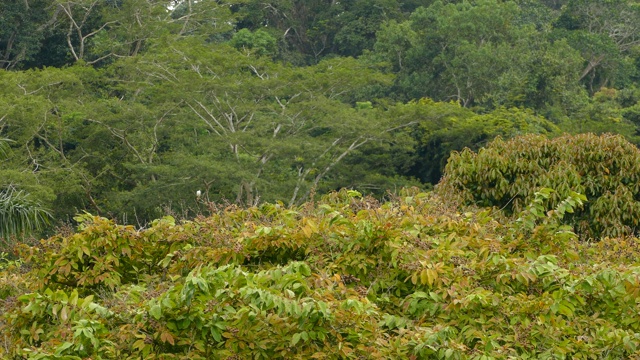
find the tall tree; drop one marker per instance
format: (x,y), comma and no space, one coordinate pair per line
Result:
(311,30)
(255,130)
(605,33)
(23,26)
(481,53)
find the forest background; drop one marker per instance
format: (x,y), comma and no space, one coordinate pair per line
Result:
(126,108)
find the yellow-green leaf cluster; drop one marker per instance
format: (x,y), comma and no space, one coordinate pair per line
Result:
(346,277)
(506,174)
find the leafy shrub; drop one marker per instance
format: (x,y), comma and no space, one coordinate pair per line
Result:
(345,278)
(506,174)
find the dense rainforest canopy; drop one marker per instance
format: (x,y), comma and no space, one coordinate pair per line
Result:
(125,108)
(195,146)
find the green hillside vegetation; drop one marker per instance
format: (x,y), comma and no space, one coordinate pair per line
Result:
(300,179)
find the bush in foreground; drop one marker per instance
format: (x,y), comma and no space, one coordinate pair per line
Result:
(347,277)
(506,174)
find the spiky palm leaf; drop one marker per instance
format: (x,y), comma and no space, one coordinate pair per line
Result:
(19,214)
(4,144)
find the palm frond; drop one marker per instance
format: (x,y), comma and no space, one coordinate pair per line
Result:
(19,214)
(4,145)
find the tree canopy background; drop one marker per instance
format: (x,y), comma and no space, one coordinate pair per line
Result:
(124,108)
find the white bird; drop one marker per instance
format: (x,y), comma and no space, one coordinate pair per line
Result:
(198,194)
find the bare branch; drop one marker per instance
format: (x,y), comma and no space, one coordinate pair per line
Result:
(224,130)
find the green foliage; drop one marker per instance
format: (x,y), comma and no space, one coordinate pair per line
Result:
(19,214)
(312,30)
(21,31)
(346,277)
(478,54)
(605,45)
(126,108)
(259,42)
(507,175)
(608,111)
(119,140)
(445,127)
